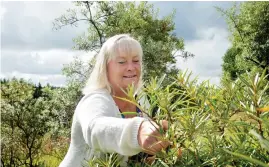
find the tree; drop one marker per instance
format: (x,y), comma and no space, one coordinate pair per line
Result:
(229,65)
(106,19)
(25,120)
(249,27)
(38,90)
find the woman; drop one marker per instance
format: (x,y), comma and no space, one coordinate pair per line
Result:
(98,126)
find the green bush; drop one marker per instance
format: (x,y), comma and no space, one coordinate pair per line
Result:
(226,125)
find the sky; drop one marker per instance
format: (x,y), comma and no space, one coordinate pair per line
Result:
(32,50)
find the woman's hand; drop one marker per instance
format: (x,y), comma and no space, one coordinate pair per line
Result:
(149,137)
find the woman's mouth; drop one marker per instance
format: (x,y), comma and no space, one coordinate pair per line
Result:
(129,76)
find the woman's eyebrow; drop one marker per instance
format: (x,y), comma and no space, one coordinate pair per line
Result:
(126,57)
(120,58)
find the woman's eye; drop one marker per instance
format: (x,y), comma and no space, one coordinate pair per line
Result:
(122,62)
(136,61)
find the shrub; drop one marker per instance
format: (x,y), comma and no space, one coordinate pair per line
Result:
(209,125)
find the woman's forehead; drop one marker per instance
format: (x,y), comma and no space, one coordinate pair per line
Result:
(126,54)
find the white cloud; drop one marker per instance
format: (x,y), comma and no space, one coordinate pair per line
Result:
(29,25)
(46,61)
(30,48)
(45,11)
(40,9)
(41,65)
(55,80)
(209,49)
(2,12)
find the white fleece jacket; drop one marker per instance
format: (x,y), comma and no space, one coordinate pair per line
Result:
(98,128)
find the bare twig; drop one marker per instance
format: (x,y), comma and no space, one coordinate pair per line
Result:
(256,62)
(94,23)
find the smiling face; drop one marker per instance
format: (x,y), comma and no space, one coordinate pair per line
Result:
(123,70)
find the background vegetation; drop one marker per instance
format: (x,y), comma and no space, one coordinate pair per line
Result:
(210,125)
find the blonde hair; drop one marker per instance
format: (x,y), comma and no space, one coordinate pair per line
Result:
(98,78)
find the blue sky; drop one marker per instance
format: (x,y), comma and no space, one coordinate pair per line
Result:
(30,49)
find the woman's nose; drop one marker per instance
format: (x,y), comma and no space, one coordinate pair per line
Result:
(130,66)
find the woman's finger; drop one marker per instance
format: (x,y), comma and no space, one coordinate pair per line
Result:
(165,124)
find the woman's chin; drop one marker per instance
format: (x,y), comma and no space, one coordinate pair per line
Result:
(130,84)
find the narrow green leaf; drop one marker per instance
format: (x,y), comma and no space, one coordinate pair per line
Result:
(255,161)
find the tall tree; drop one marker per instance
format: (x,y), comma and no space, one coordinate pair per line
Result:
(104,19)
(249,27)
(24,122)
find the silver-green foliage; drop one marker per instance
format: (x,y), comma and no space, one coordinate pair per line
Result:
(210,125)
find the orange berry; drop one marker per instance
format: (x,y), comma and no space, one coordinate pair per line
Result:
(179,153)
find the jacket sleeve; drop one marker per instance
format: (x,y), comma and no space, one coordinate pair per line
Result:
(105,132)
